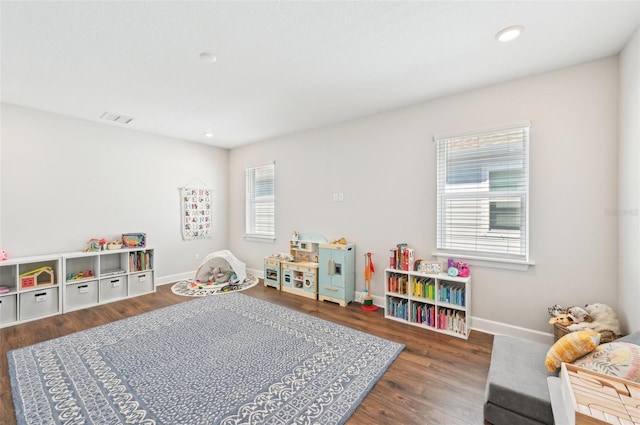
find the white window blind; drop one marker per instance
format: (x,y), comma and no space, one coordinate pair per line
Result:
(260,201)
(483,193)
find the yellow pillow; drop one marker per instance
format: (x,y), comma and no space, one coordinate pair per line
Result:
(570,347)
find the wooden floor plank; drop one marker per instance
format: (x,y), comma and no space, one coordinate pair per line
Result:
(436,380)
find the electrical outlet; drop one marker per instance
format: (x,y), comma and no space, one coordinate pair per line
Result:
(335,197)
(340,196)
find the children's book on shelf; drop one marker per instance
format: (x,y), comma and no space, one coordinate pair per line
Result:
(397,283)
(402,257)
(423,314)
(397,307)
(452,293)
(424,287)
(140,261)
(451,320)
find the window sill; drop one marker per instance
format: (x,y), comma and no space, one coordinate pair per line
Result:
(258,238)
(488,262)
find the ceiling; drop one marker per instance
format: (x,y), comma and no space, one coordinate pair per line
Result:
(282,67)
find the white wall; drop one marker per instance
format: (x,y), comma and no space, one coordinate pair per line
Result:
(66,180)
(629,189)
(384,165)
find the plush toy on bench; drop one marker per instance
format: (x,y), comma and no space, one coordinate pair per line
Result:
(603,319)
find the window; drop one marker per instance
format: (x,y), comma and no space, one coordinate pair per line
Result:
(260,202)
(483,194)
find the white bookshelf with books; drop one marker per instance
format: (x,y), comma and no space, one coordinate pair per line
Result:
(433,301)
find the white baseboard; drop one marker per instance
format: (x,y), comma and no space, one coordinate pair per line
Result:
(256,273)
(498,328)
(174,278)
(478,324)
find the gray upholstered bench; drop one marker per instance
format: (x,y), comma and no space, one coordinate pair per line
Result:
(517,392)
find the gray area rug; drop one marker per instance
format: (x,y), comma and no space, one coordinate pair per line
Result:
(212,360)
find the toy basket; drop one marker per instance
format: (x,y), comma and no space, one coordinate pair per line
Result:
(559,331)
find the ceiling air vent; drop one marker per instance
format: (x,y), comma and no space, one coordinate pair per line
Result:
(116,118)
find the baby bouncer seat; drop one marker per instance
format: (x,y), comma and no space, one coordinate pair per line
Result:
(220,268)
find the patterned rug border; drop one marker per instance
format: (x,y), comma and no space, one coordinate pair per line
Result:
(337,370)
(184,287)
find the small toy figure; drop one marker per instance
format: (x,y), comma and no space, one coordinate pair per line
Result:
(463,269)
(563,319)
(93,245)
(4,255)
(555,310)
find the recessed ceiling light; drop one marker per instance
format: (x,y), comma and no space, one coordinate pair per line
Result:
(208,134)
(509,33)
(208,57)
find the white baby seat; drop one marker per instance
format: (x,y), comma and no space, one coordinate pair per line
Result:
(221,267)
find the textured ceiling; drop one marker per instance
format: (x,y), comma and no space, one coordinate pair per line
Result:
(282,67)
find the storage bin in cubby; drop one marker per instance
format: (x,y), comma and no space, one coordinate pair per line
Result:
(113,288)
(8,309)
(81,295)
(140,283)
(39,303)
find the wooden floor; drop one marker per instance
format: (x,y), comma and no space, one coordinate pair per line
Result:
(437,379)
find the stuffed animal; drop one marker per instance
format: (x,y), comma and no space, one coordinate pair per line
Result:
(604,318)
(555,310)
(563,319)
(219,275)
(579,314)
(4,255)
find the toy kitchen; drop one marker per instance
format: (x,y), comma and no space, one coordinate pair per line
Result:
(314,268)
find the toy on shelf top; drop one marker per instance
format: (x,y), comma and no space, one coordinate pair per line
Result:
(94,245)
(128,240)
(457,268)
(4,255)
(134,240)
(115,244)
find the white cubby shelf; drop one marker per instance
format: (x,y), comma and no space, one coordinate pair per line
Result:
(47,285)
(437,302)
(93,278)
